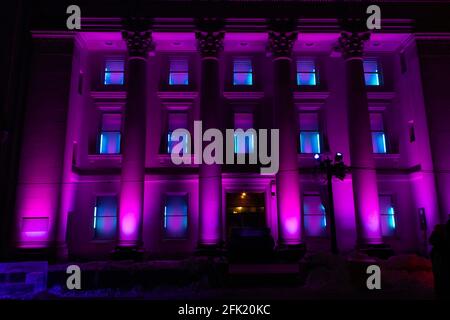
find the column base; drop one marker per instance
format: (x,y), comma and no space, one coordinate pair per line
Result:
(210,250)
(34,254)
(128,253)
(62,252)
(290,252)
(381,251)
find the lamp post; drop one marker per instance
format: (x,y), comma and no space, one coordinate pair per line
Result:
(337,169)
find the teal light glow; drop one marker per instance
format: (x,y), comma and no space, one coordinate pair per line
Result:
(379,142)
(309,142)
(391,214)
(95,217)
(110,142)
(247,147)
(171,144)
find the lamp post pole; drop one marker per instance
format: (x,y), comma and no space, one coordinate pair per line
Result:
(337,169)
(329,172)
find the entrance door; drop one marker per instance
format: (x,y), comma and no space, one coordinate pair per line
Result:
(245,211)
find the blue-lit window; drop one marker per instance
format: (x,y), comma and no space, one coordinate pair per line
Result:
(244,142)
(177,120)
(242,72)
(183,139)
(245,145)
(372,74)
(176,217)
(309,132)
(105,218)
(179,72)
(378,135)
(306,72)
(110,134)
(315,217)
(114,72)
(387,215)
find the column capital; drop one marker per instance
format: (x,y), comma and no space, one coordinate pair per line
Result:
(281,43)
(210,37)
(210,43)
(352,43)
(138,38)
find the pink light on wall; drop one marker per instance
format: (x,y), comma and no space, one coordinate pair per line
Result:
(367,206)
(289,208)
(210,205)
(37,206)
(130,213)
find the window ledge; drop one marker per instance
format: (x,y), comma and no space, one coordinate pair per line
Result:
(177,94)
(165,159)
(313,95)
(386,155)
(242,95)
(100,95)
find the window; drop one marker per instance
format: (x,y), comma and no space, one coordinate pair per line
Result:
(242,72)
(372,75)
(244,143)
(110,134)
(315,218)
(179,72)
(309,132)
(177,121)
(306,72)
(105,218)
(378,136)
(114,72)
(387,213)
(176,217)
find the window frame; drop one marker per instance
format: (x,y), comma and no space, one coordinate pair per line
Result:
(104,72)
(187,72)
(323,215)
(315,72)
(252,72)
(318,132)
(101,131)
(95,217)
(373,132)
(379,73)
(393,216)
(164,216)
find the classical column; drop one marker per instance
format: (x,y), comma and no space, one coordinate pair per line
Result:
(139,42)
(285,115)
(364,178)
(210,44)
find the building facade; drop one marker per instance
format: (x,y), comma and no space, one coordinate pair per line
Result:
(95,173)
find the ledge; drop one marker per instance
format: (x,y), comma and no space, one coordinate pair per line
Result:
(177,94)
(104,95)
(243,95)
(380,95)
(311,95)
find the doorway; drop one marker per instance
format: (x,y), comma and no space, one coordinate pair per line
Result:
(245,210)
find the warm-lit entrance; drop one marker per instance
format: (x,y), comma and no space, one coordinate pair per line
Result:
(245,211)
(248,236)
